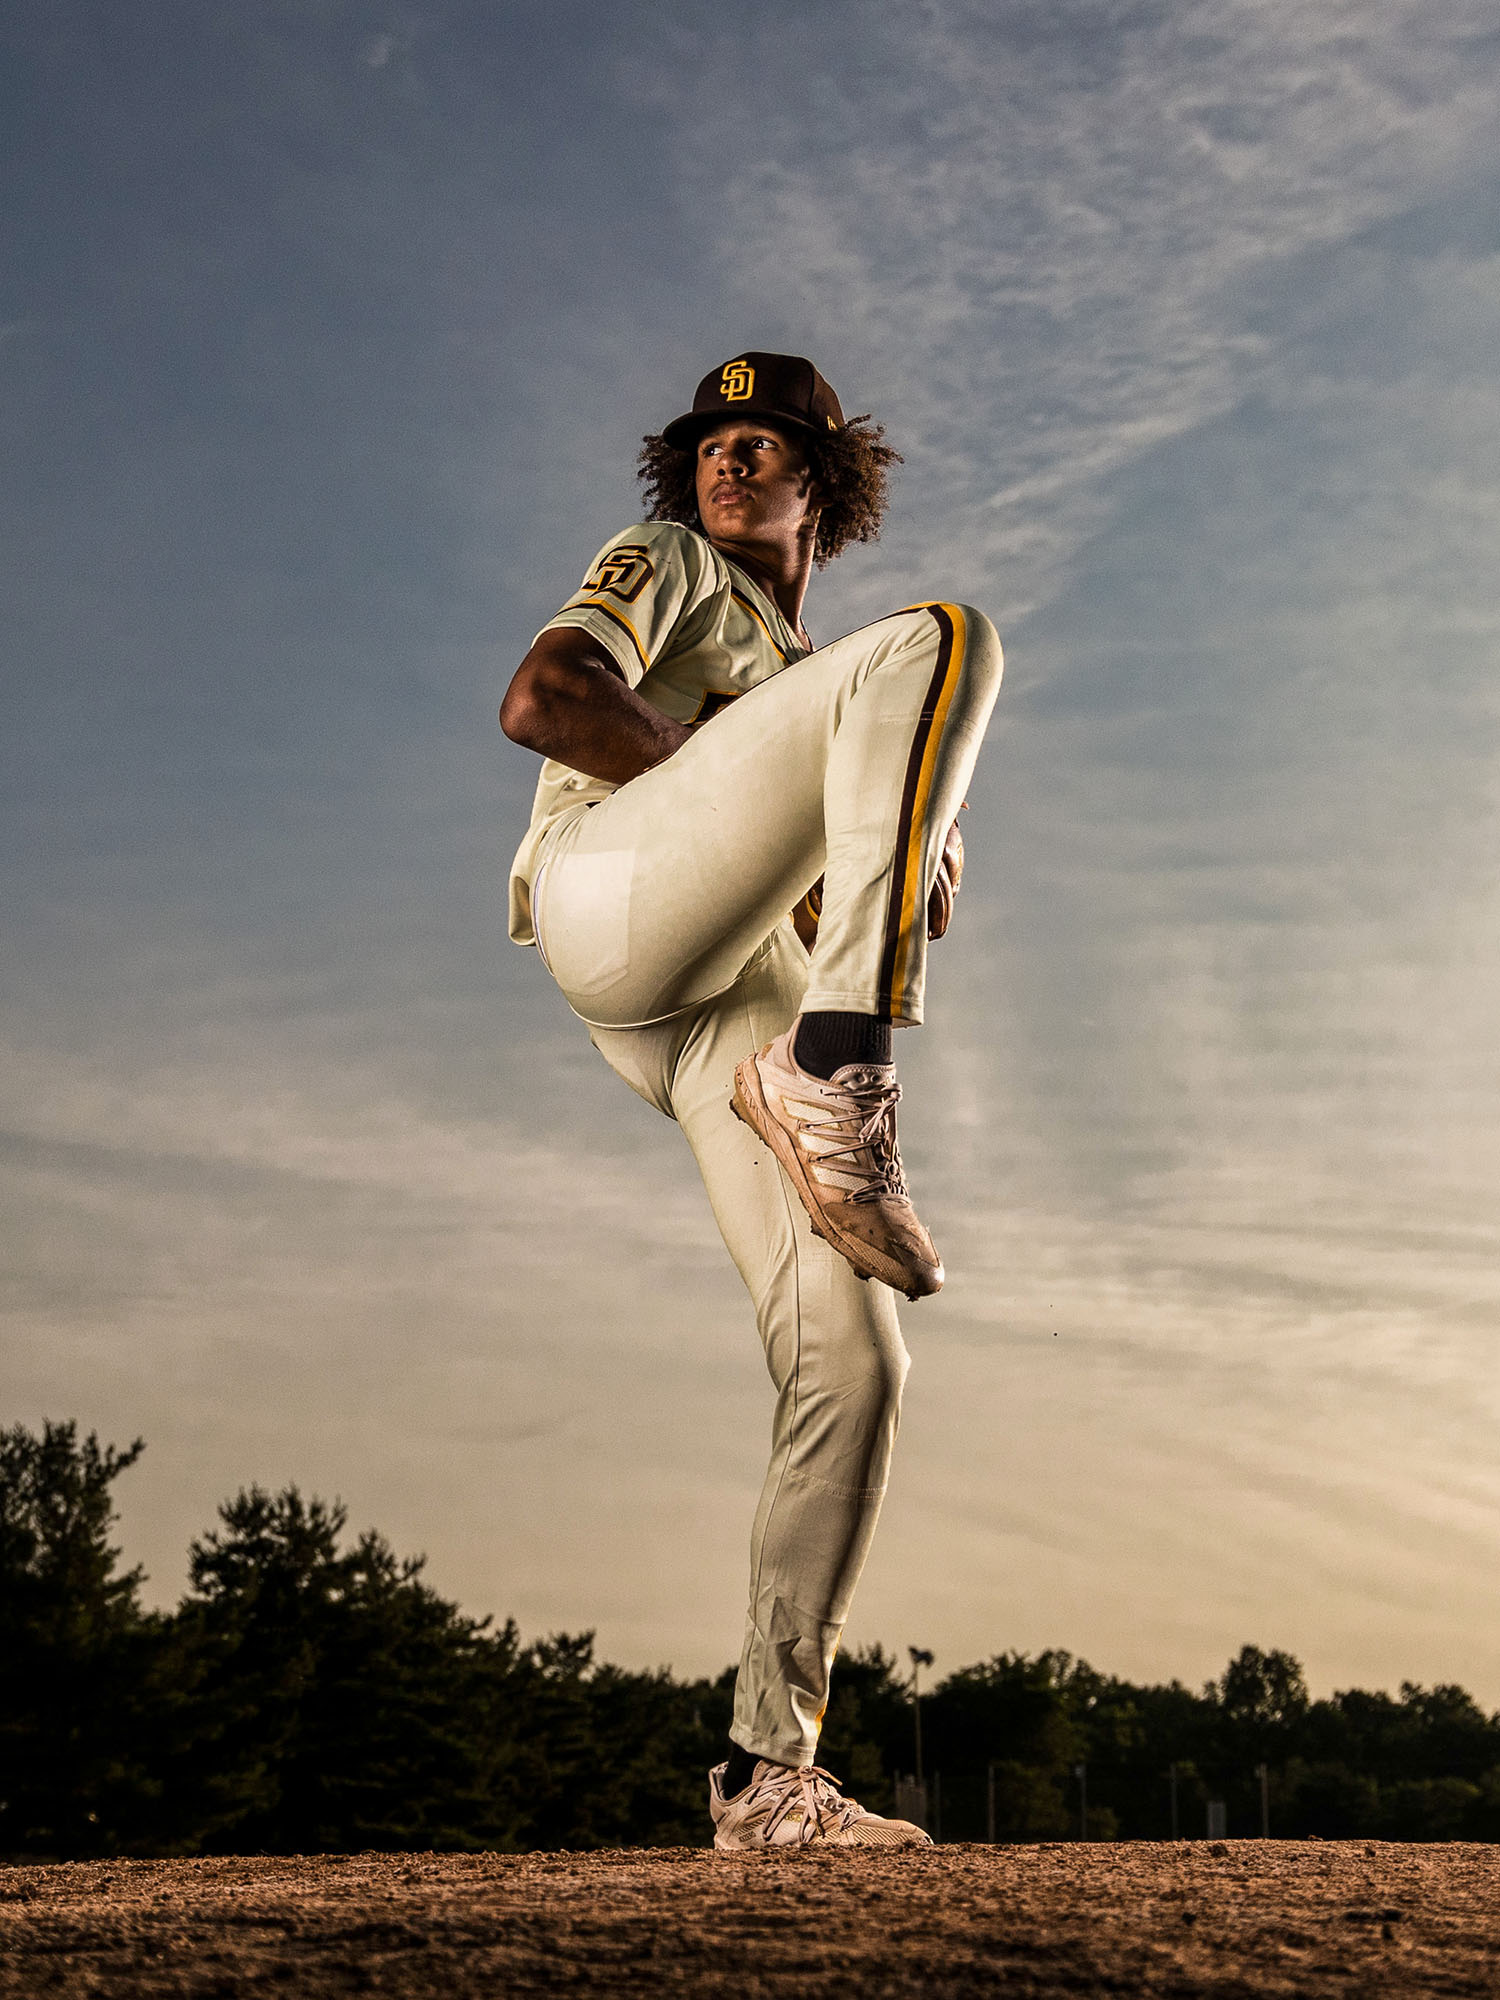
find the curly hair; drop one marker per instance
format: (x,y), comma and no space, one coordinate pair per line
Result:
(849,466)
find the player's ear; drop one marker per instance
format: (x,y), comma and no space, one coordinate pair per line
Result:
(817,492)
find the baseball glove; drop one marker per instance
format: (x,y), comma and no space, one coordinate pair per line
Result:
(939,904)
(946,885)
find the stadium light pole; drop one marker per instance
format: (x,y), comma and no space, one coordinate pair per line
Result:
(920,1657)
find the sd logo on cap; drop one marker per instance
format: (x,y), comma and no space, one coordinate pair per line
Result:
(785,387)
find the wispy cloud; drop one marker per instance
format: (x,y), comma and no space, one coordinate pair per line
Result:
(1047,237)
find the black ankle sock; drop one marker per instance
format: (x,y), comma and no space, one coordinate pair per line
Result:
(738,1771)
(825,1042)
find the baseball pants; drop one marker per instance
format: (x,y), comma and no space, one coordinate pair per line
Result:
(661,913)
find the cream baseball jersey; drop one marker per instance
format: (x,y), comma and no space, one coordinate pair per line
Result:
(689,631)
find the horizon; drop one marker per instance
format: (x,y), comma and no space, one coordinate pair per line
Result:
(854,1648)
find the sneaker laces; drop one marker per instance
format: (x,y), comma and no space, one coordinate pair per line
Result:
(875,1133)
(815,1791)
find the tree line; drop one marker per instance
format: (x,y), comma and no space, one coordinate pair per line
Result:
(313,1693)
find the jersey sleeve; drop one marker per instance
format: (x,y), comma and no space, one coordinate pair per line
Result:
(641,589)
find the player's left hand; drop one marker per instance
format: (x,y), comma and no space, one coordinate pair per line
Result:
(945,888)
(805,916)
(939,904)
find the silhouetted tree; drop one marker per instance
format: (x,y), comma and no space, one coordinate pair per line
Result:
(310,1694)
(78,1658)
(1263,1697)
(613,1758)
(341,1702)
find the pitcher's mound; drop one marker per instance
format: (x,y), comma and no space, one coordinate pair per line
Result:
(1295,1918)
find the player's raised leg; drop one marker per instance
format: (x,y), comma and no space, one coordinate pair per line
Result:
(854,760)
(832,1123)
(919,733)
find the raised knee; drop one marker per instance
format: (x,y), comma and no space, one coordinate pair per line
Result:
(983,653)
(974,631)
(977,623)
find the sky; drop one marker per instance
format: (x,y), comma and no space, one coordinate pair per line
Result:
(328,334)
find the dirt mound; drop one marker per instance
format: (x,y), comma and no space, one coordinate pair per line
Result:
(1241,1918)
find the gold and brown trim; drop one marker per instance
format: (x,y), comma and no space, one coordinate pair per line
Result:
(710,705)
(616,618)
(745,604)
(908,904)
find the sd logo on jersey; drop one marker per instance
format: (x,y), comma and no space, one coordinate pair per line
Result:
(623,573)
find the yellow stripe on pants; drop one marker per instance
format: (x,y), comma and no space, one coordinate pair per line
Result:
(908,888)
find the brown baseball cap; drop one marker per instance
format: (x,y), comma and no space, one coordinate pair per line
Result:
(784,386)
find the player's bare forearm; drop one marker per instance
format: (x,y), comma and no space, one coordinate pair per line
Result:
(570,701)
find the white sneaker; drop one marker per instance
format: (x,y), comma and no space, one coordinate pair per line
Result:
(781,1807)
(836,1139)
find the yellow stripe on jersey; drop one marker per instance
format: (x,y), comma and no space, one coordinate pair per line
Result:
(741,599)
(616,617)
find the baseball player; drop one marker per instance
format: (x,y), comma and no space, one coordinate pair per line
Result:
(709,772)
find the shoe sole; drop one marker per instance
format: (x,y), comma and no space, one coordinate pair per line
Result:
(749,1105)
(722,1846)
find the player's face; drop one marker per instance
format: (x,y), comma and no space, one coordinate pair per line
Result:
(754,482)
